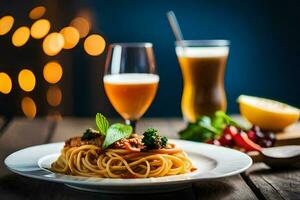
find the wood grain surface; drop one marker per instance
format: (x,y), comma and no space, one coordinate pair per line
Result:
(274,184)
(291,135)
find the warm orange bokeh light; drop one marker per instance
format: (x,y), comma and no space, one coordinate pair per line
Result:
(54,96)
(53,44)
(20,36)
(28,107)
(52,72)
(40,28)
(26,80)
(5,83)
(71,37)
(94,45)
(37,12)
(82,25)
(6,24)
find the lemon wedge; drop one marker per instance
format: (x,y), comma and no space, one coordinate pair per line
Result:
(266,113)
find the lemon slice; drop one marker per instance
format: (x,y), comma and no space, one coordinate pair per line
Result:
(266,113)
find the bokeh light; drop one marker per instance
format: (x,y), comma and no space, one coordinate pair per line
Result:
(94,45)
(71,37)
(82,25)
(26,80)
(37,12)
(21,36)
(6,24)
(28,107)
(52,72)
(54,96)
(40,28)
(53,44)
(5,83)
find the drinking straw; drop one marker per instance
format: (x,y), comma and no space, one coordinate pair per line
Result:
(175,26)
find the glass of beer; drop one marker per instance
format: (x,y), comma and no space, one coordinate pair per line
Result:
(202,64)
(130,79)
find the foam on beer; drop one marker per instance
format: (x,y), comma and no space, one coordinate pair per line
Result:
(201,52)
(131,78)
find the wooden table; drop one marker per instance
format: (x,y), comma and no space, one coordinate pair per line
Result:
(259,182)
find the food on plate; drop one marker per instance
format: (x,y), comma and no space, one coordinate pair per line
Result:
(113,151)
(222,130)
(266,113)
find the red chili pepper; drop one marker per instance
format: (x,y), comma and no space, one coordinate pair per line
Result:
(230,130)
(243,140)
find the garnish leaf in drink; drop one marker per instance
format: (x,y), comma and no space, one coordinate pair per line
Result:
(102,123)
(116,132)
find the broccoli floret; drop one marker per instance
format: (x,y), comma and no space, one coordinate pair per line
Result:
(152,140)
(164,141)
(90,134)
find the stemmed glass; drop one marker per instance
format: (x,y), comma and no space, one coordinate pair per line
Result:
(130,79)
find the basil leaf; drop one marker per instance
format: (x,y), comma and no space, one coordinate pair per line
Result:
(219,124)
(116,132)
(102,123)
(194,132)
(230,121)
(205,122)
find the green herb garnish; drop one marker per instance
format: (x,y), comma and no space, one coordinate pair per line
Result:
(229,121)
(89,134)
(152,140)
(208,128)
(113,132)
(102,123)
(116,132)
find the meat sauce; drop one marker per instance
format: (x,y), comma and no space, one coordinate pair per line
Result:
(78,141)
(134,143)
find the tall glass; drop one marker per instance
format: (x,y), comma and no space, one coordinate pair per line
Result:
(202,64)
(130,79)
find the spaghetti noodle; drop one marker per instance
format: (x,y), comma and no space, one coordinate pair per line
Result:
(91,161)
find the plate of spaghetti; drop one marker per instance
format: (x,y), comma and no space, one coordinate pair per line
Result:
(113,159)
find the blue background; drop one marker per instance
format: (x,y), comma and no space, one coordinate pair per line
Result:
(264,35)
(263,60)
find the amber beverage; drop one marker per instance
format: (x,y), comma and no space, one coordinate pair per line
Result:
(202,65)
(131,94)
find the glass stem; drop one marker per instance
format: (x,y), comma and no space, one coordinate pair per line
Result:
(132,123)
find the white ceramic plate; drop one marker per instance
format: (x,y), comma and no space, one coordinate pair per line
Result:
(212,162)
